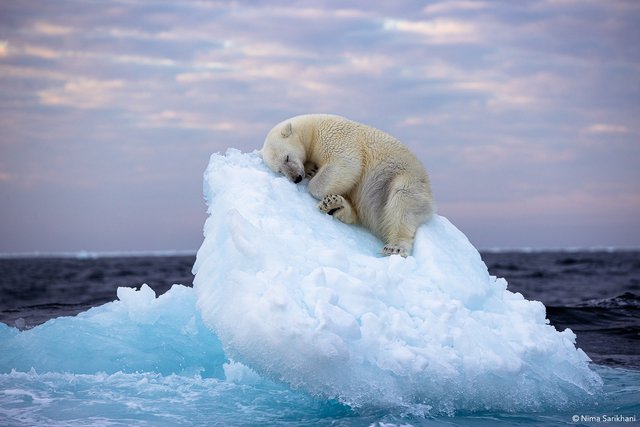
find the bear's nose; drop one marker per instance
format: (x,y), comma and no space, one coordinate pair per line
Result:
(298,179)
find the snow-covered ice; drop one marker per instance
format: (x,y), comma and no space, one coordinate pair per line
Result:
(304,299)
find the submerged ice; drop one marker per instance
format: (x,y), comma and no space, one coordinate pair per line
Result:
(304,299)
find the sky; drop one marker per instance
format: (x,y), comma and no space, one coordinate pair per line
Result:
(524,113)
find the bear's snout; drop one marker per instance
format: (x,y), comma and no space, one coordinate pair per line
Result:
(293,171)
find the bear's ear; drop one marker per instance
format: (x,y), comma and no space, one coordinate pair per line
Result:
(287,130)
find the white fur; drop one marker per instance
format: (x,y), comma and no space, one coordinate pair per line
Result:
(360,175)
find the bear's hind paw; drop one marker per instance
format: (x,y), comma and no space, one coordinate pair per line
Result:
(391,249)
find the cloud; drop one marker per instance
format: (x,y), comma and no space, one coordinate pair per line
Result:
(450,7)
(143,60)
(514,152)
(26,72)
(87,55)
(37,51)
(82,93)
(198,77)
(500,88)
(309,13)
(426,120)
(602,128)
(271,50)
(505,92)
(49,29)
(436,31)
(189,120)
(571,205)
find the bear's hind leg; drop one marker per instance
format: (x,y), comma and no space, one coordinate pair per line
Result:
(339,207)
(408,206)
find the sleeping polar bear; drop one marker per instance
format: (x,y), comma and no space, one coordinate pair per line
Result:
(360,175)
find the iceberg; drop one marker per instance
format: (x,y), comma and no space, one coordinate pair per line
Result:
(294,317)
(306,300)
(136,333)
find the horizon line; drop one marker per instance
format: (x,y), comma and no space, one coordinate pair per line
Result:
(83,254)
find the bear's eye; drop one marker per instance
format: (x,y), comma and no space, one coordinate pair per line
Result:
(286,160)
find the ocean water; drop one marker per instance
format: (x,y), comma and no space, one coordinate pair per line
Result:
(83,359)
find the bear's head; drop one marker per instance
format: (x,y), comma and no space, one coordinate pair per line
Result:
(284,153)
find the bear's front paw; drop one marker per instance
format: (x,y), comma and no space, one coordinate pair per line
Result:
(331,204)
(390,249)
(310,170)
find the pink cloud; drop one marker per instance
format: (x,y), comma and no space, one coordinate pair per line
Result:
(603,128)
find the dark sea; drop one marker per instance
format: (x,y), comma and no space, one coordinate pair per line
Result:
(595,293)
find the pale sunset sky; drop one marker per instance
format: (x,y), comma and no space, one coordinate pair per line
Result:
(526,114)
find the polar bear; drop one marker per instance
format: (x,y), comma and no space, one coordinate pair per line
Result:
(360,175)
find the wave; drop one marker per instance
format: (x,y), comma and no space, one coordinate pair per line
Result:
(608,329)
